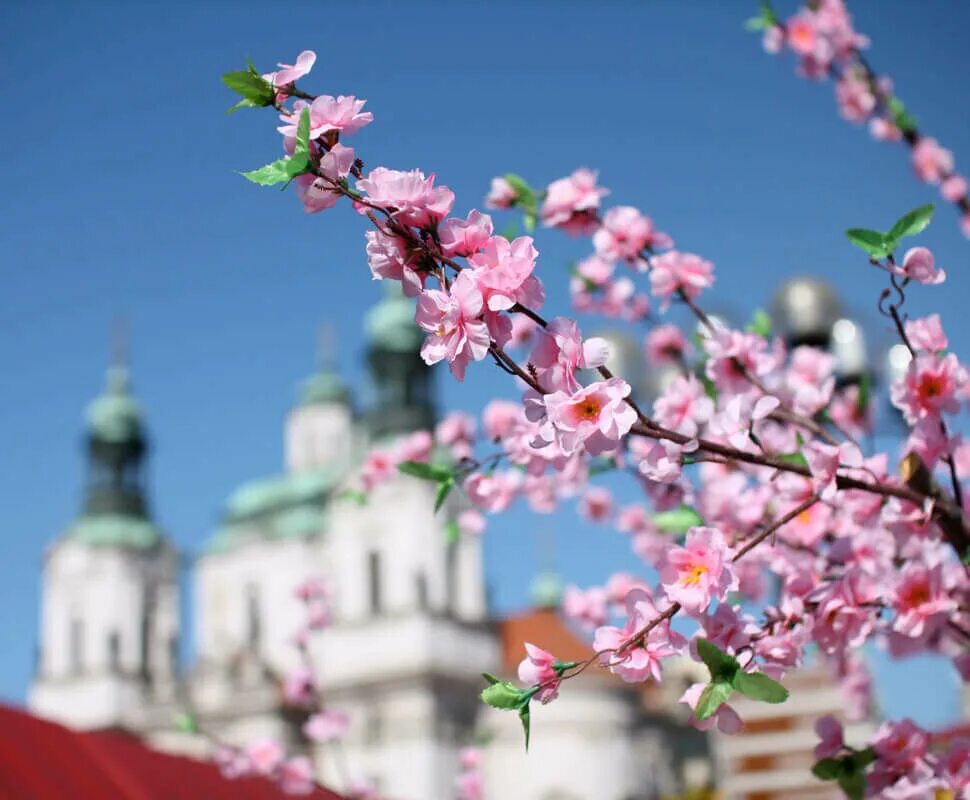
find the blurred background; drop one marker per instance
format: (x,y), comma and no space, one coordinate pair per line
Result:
(123,202)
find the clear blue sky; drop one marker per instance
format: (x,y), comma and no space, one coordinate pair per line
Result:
(121,199)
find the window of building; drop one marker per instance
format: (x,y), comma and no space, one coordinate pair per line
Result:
(114,651)
(254,629)
(374,583)
(421,590)
(76,645)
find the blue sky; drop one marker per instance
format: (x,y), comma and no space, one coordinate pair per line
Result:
(122,199)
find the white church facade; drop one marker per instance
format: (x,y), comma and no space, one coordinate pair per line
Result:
(412,628)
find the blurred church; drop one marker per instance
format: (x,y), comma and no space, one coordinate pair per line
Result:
(412,630)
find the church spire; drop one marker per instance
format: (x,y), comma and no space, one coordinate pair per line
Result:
(325,385)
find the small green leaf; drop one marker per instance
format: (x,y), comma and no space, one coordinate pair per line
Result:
(760,324)
(874,243)
(712,698)
(678,520)
(425,471)
(912,223)
(297,163)
(853,784)
(718,663)
(269,175)
(444,489)
(525,716)
(502,694)
(452,532)
(759,686)
(755,24)
(490,678)
(865,390)
(863,758)
(561,666)
(186,723)
(828,769)
(355,495)
(521,186)
(795,458)
(244,103)
(251,85)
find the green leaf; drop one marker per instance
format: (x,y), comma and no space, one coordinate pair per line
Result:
(444,489)
(186,723)
(759,686)
(678,520)
(719,663)
(828,769)
(452,532)
(521,186)
(502,694)
(561,666)
(297,163)
(795,458)
(760,323)
(525,716)
(865,391)
(269,175)
(863,758)
(425,471)
(711,699)
(853,784)
(244,103)
(251,85)
(874,243)
(491,678)
(354,495)
(912,223)
(756,24)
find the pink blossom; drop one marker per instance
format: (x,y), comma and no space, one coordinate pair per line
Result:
(801,34)
(586,608)
(596,504)
(341,114)
(470,785)
(921,602)
(665,344)
(501,195)
(842,618)
(884,130)
(493,492)
(456,332)
(920,266)
(728,628)
(290,73)
(734,355)
(471,522)
(296,776)
(740,416)
(825,460)
(662,462)
(390,256)
(318,615)
(725,717)
(926,334)
(700,571)
(899,745)
(855,98)
(625,234)
(628,654)
(931,162)
(683,406)
(674,271)
(560,351)
(954,188)
(595,417)
(500,418)
(829,730)
(326,726)
(571,202)
(318,193)
(536,668)
(503,270)
(930,386)
(462,237)
(378,467)
(312,589)
(457,432)
(265,756)
(298,686)
(410,197)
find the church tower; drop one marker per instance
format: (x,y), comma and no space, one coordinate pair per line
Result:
(109,619)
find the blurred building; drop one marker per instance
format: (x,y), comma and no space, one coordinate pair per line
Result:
(411,635)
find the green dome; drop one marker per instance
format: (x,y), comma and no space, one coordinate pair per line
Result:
(390,324)
(325,386)
(114,416)
(115,530)
(546,590)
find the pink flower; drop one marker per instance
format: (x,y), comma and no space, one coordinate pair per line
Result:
(926,334)
(536,668)
(931,162)
(665,344)
(341,114)
(829,730)
(493,492)
(312,589)
(232,763)
(501,195)
(326,726)
(290,73)
(684,406)
(824,462)
(842,618)
(390,257)
(470,785)
(298,686)
(595,417)
(920,266)
(503,270)
(560,351)
(410,197)
(728,628)
(462,237)
(265,756)
(453,321)
(921,601)
(296,776)
(954,188)
(471,522)
(884,130)
(675,271)
(318,194)
(741,416)
(662,462)
(856,100)
(801,35)
(457,432)
(633,657)
(625,233)
(500,418)
(725,717)
(700,571)
(587,608)
(930,386)
(596,504)
(900,745)
(571,202)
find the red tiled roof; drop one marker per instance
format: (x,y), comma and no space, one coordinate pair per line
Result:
(40,760)
(543,628)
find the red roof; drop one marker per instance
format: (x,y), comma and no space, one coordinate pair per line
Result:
(40,760)
(543,628)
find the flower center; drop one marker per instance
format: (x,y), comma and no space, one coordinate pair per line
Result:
(694,575)
(587,410)
(917,595)
(931,386)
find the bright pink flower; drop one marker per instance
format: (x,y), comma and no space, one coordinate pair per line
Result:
(920,266)
(922,602)
(931,162)
(954,188)
(740,416)
(327,726)
(318,615)
(728,628)
(560,351)
(501,195)
(884,130)
(416,446)
(290,73)
(635,661)
(571,203)
(318,194)
(675,271)
(296,776)
(855,98)
(930,386)
(842,616)
(457,432)
(536,668)
(734,355)
(410,197)
(700,571)
(926,334)
(298,686)
(312,589)
(665,344)
(588,608)
(900,745)
(390,257)
(829,730)
(500,418)
(493,492)
(662,462)
(625,234)
(596,504)
(801,34)
(341,114)
(595,417)
(683,406)
(824,462)
(503,270)
(265,756)
(456,332)
(725,717)
(462,237)
(471,522)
